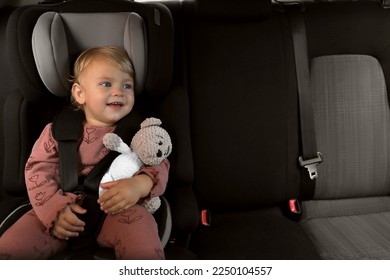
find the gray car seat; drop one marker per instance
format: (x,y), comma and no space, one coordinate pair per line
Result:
(349,215)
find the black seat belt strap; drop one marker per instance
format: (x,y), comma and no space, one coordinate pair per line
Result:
(67,130)
(310,157)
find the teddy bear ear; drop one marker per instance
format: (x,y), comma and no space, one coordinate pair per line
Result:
(151,122)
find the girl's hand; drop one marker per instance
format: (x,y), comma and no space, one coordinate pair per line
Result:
(67,223)
(122,194)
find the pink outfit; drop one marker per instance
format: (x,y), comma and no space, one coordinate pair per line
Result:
(132,233)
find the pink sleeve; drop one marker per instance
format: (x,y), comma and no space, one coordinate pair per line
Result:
(159,174)
(43,179)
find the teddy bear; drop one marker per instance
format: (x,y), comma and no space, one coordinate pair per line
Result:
(149,146)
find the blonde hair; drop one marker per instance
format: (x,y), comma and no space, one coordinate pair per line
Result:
(114,54)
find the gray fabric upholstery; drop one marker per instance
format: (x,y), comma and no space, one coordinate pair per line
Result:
(344,207)
(351,237)
(352,125)
(60,37)
(350,215)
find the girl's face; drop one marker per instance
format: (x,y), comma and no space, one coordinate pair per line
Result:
(105,92)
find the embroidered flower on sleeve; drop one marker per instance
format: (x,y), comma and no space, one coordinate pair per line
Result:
(41,198)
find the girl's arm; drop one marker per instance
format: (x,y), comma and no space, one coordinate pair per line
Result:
(43,180)
(159,175)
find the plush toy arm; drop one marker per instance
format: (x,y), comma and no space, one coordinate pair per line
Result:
(152,204)
(106,178)
(115,143)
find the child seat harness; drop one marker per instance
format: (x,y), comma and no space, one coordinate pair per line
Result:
(67,130)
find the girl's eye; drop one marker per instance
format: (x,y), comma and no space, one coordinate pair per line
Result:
(106,84)
(127,86)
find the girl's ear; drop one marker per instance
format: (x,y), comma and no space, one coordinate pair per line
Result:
(78,93)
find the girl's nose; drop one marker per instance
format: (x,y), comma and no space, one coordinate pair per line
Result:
(117,91)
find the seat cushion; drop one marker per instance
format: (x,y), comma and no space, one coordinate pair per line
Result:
(257,234)
(344,207)
(339,234)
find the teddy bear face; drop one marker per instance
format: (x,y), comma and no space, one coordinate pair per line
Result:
(152,144)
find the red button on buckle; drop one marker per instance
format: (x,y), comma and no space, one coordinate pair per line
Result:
(294,206)
(205,218)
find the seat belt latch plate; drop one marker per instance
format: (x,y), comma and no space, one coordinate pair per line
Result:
(311,165)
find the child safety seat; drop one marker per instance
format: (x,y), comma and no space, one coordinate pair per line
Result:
(144,30)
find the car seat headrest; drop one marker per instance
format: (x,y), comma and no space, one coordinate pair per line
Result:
(58,39)
(234,9)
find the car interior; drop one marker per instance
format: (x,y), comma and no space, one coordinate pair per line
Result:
(277,110)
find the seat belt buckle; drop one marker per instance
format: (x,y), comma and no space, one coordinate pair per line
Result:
(205,218)
(311,165)
(294,206)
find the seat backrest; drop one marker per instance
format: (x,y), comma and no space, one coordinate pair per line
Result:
(34,104)
(243,105)
(353,126)
(350,70)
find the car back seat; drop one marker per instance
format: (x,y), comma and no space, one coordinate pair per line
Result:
(349,215)
(57,44)
(242,105)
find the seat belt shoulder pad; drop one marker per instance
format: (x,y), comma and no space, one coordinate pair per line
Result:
(68,125)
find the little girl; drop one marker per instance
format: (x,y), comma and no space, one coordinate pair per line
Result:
(103,88)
